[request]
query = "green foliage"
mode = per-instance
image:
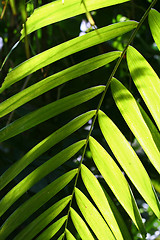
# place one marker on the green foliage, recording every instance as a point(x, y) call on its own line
point(89, 172)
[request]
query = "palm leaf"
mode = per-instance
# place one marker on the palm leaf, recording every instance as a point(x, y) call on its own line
point(154, 18)
point(87, 206)
point(146, 80)
point(43, 146)
point(65, 49)
point(56, 11)
point(116, 181)
point(105, 205)
point(132, 165)
point(51, 110)
point(35, 202)
point(80, 225)
point(132, 115)
point(92, 216)
point(43, 220)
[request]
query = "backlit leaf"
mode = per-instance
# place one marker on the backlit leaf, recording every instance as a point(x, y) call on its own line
point(116, 181)
point(132, 115)
point(65, 49)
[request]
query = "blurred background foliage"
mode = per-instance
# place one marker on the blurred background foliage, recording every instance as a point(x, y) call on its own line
point(13, 15)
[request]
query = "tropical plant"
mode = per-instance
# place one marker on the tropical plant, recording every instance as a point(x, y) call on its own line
point(88, 208)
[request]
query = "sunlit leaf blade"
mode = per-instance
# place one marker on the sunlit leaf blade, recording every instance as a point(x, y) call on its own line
point(116, 181)
point(93, 217)
point(154, 131)
point(69, 235)
point(81, 226)
point(38, 174)
point(154, 23)
point(56, 11)
point(146, 81)
point(32, 229)
point(55, 80)
point(43, 146)
point(119, 230)
point(51, 110)
point(65, 49)
point(61, 237)
point(129, 161)
point(52, 230)
point(118, 217)
point(133, 117)
point(34, 203)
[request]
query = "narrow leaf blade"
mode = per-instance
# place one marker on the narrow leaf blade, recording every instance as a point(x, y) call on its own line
point(146, 81)
point(129, 161)
point(69, 235)
point(116, 181)
point(38, 174)
point(55, 80)
point(65, 49)
point(43, 146)
point(52, 230)
point(80, 225)
point(154, 23)
point(51, 110)
point(56, 11)
point(34, 203)
point(92, 216)
point(118, 228)
point(32, 229)
point(133, 117)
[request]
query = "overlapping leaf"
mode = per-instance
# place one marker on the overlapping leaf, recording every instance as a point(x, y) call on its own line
point(129, 161)
point(55, 80)
point(93, 217)
point(146, 81)
point(32, 229)
point(34, 203)
point(51, 110)
point(132, 115)
point(52, 230)
point(116, 181)
point(38, 174)
point(57, 11)
point(104, 204)
point(80, 225)
point(43, 146)
point(65, 49)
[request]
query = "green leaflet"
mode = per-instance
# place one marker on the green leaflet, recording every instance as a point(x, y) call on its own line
point(43, 146)
point(51, 110)
point(80, 225)
point(129, 161)
point(119, 229)
point(38, 174)
point(154, 131)
point(32, 229)
point(52, 230)
point(34, 203)
point(61, 237)
point(65, 49)
point(92, 217)
point(69, 235)
point(55, 80)
point(133, 117)
point(116, 181)
point(56, 11)
point(154, 23)
point(146, 81)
